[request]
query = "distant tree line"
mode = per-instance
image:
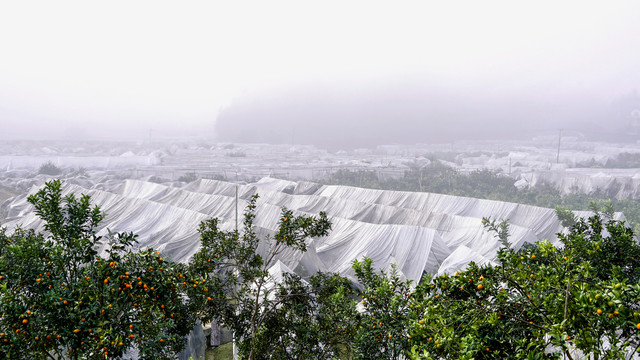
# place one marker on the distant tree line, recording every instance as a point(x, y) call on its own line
point(625, 160)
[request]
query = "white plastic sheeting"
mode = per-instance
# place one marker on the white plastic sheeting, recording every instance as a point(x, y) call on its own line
point(10, 162)
point(459, 257)
point(420, 232)
point(620, 183)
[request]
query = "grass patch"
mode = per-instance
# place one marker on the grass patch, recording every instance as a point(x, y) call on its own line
point(222, 352)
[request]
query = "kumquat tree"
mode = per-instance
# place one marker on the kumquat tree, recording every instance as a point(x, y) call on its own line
point(330, 317)
point(386, 308)
point(60, 300)
point(282, 316)
point(242, 294)
point(581, 301)
point(313, 320)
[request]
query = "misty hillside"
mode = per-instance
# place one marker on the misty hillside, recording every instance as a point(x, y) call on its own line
point(342, 117)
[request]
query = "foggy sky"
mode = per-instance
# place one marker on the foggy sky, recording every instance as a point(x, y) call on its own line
point(130, 69)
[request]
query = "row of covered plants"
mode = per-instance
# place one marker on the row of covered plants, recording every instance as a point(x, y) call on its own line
point(486, 184)
point(60, 300)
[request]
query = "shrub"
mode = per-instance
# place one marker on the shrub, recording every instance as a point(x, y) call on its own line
point(188, 177)
point(49, 168)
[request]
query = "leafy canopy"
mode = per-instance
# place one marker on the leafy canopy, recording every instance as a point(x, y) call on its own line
point(541, 302)
point(60, 299)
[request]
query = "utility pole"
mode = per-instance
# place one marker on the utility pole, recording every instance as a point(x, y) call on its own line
point(236, 201)
point(235, 348)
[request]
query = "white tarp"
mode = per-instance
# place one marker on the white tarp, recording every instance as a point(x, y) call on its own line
point(420, 232)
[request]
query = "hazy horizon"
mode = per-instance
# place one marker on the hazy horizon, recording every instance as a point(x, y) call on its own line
point(286, 70)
